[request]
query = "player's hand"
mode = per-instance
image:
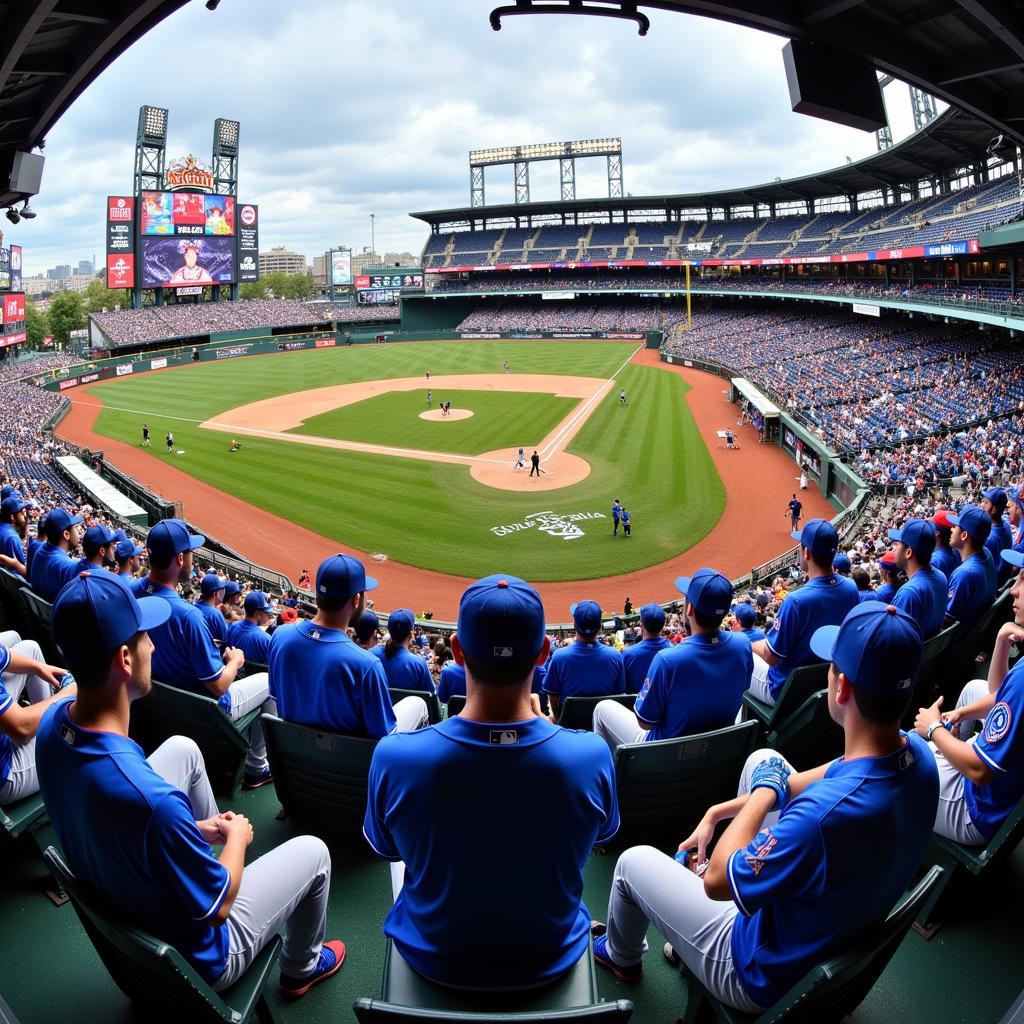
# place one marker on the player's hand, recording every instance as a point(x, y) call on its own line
point(210, 830)
point(772, 773)
point(701, 839)
point(232, 824)
point(953, 718)
point(234, 656)
point(50, 673)
point(926, 717)
point(1011, 633)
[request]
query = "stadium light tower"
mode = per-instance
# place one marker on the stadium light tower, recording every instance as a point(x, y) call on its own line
point(150, 149)
point(225, 157)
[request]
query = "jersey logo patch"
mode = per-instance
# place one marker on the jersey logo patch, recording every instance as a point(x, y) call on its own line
point(997, 725)
point(755, 860)
point(314, 634)
point(502, 652)
point(67, 734)
point(504, 737)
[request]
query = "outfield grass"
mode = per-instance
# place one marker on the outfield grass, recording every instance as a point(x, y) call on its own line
point(434, 515)
point(500, 420)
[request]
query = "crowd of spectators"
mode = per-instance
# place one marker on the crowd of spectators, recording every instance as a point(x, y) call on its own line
point(532, 315)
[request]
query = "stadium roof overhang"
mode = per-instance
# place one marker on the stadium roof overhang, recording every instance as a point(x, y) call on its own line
point(953, 139)
point(50, 51)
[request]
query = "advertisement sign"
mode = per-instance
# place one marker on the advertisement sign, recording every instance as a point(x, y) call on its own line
point(866, 309)
point(123, 369)
point(5, 269)
point(325, 342)
point(120, 242)
point(13, 339)
point(188, 172)
point(173, 262)
point(186, 213)
point(14, 308)
point(341, 267)
point(378, 297)
point(549, 296)
point(409, 280)
point(158, 364)
point(248, 243)
point(16, 279)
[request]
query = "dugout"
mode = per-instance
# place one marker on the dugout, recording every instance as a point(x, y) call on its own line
point(742, 388)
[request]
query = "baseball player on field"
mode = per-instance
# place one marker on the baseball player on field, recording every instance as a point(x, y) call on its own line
point(785, 886)
point(520, 462)
point(616, 516)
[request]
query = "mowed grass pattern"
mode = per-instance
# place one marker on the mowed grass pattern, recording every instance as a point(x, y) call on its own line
point(500, 419)
point(434, 515)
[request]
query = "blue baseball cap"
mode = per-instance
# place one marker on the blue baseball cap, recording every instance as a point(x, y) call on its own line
point(97, 609)
point(653, 617)
point(12, 505)
point(57, 521)
point(998, 498)
point(95, 538)
point(366, 626)
point(877, 647)
point(919, 536)
point(820, 538)
point(170, 537)
point(120, 535)
point(746, 615)
point(1014, 558)
point(400, 624)
point(708, 591)
point(841, 563)
point(502, 617)
point(586, 616)
point(210, 584)
point(127, 549)
point(257, 601)
point(1016, 495)
point(231, 588)
point(342, 577)
point(7, 490)
point(974, 521)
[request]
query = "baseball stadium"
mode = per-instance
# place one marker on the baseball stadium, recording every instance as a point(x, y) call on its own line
point(781, 424)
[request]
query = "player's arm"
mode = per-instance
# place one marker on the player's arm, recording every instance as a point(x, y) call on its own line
point(764, 652)
point(8, 562)
point(739, 835)
point(234, 659)
point(22, 723)
point(1009, 635)
point(960, 755)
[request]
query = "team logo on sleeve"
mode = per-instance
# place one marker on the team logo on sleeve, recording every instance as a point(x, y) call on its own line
point(756, 857)
point(997, 725)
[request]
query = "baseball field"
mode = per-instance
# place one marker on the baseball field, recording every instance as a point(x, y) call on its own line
point(342, 441)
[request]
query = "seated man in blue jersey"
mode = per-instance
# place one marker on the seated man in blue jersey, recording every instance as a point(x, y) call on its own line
point(584, 668)
point(469, 849)
point(693, 687)
point(139, 830)
point(403, 669)
point(972, 585)
point(945, 558)
point(320, 677)
point(23, 673)
point(889, 574)
point(98, 544)
point(249, 635)
point(982, 777)
point(923, 596)
point(211, 594)
point(1000, 537)
point(52, 564)
point(746, 617)
point(1016, 513)
point(13, 530)
point(823, 600)
point(452, 682)
point(841, 564)
point(637, 659)
point(186, 655)
point(128, 555)
point(792, 881)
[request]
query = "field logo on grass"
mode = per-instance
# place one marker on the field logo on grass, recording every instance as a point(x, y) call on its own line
point(554, 524)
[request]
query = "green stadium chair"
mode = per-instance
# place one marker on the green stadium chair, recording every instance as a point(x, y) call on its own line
point(928, 679)
point(161, 984)
point(168, 711)
point(960, 664)
point(320, 776)
point(407, 996)
point(433, 704)
point(456, 702)
point(12, 607)
point(23, 816)
point(955, 858)
point(833, 989)
point(578, 712)
point(809, 737)
point(665, 786)
point(39, 614)
point(800, 684)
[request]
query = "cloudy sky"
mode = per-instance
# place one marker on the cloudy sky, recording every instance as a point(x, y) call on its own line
point(353, 107)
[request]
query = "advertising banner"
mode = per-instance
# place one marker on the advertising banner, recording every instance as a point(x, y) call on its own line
point(5, 269)
point(172, 262)
point(248, 243)
point(14, 308)
point(121, 270)
point(341, 268)
point(16, 278)
point(410, 280)
point(866, 309)
point(120, 242)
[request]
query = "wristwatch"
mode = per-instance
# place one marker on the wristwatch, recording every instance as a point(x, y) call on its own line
point(940, 724)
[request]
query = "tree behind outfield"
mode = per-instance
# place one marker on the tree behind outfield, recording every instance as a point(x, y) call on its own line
point(282, 286)
point(99, 297)
point(36, 324)
point(67, 314)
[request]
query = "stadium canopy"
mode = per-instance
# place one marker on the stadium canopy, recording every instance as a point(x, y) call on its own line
point(50, 52)
point(954, 139)
point(756, 398)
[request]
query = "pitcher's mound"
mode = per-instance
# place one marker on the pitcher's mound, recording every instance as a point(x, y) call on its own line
point(455, 414)
point(561, 470)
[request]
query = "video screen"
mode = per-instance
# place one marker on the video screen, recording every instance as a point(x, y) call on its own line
point(187, 213)
point(183, 261)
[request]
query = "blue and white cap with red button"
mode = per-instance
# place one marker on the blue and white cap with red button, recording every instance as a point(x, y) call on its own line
point(96, 609)
point(501, 618)
point(878, 648)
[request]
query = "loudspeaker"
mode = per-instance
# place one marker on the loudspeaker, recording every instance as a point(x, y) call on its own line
point(27, 173)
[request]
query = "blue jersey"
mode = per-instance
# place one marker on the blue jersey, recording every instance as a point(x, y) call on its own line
point(637, 660)
point(585, 670)
point(321, 678)
point(6, 703)
point(923, 598)
point(867, 595)
point(214, 620)
point(252, 641)
point(132, 837)
point(184, 653)
point(1001, 747)
point(696, 686)
point(972, 589)
point(466, 853)
point(405, 670)
point(52, 568)
point(886, 592)
point(999, 540)
point(822, 601)
point(833, 866)
point(10, 543)
point(452, 682)
point(753, 634)
point(945, 560)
